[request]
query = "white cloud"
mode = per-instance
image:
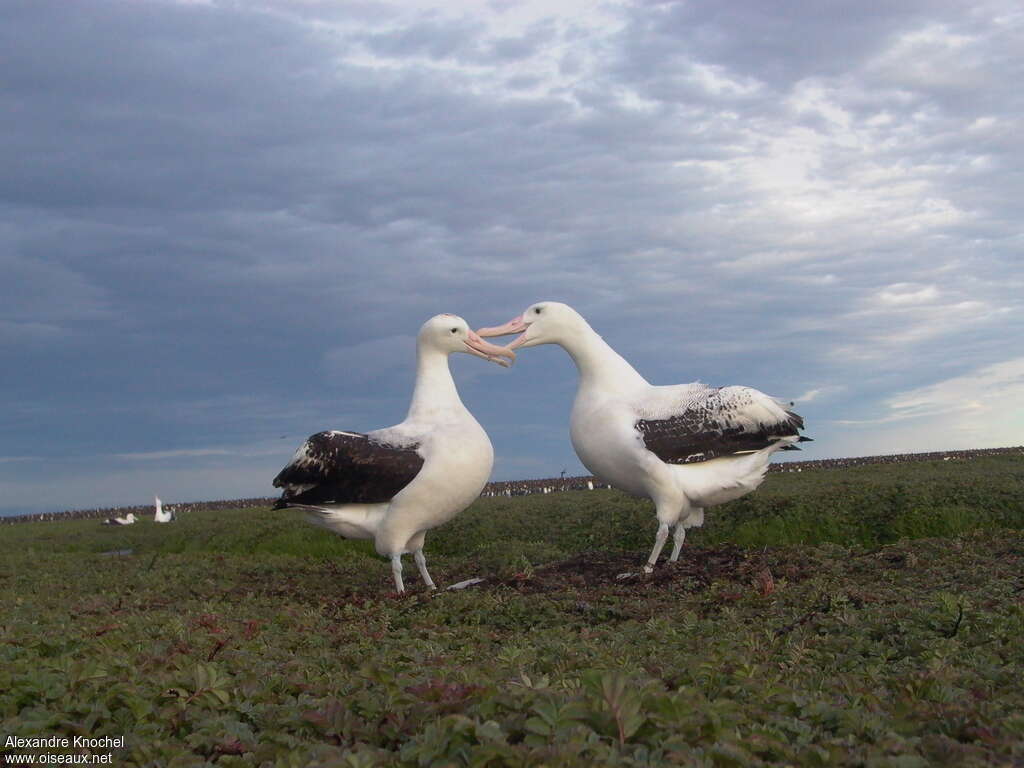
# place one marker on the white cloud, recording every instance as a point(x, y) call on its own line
point(185, 452)
point(995, 389)
point(982, 409)
point(894, 321)
point(929, 57)
point(900, 294)
point(806, 397)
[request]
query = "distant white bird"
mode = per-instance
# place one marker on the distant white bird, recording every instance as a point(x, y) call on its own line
point(393, 485)
point(128, 519)
point(160, 515)
point(685, 447)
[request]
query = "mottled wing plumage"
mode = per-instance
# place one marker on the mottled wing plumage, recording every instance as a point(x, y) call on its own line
point(708, 422)
point(347, 468)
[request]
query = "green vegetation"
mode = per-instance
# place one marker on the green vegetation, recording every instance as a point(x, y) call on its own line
point(869, 616)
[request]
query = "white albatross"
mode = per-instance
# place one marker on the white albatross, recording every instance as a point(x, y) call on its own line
point(128, 519)
point(160, 515)
point(686, 447)
point(393, 485)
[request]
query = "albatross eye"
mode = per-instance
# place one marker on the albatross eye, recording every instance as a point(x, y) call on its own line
point(536, 310)
point(455, 330)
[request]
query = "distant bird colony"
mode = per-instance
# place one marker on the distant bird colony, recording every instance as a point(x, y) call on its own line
point(161, 514)
point(553, 484)
point(686, 447)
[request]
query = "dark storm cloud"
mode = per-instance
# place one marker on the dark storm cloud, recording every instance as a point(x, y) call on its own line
point(226, 222)
point(775, 44)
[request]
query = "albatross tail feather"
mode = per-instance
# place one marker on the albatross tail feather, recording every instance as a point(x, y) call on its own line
point(353, 521)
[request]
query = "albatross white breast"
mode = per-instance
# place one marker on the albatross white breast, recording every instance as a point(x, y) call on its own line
point(392, 485)
point(686, 447)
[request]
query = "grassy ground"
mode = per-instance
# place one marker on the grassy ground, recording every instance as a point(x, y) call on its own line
point(867, 616)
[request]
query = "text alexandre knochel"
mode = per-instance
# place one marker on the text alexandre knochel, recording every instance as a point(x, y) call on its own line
point(64, 742)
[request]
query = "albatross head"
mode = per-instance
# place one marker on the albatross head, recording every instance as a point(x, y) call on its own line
point(546, 322)
point(450, 333)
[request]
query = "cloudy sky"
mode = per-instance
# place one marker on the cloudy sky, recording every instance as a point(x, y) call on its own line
point(222, 223)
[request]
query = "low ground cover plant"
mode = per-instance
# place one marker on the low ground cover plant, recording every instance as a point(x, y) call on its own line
point(862, 616)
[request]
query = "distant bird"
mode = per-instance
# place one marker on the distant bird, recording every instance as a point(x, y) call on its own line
point(128, 519)
point(392, 485)
point(686, 447)
point(160, 515)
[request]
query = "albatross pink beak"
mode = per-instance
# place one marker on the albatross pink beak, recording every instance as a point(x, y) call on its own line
point(477, 346)
point(515, 325)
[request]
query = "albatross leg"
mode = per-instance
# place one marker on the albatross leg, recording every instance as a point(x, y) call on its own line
point(678, 537)
point(396, 571)
point(659, 542)
point(421, 563)
point(694, 518)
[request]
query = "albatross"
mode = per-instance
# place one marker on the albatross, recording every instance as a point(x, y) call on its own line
point(393, 485)
point(686, 447)
point(160, 515)
point(128, 519)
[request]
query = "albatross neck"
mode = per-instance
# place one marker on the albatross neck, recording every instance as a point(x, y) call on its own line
point(434, 393)
point(599, 365)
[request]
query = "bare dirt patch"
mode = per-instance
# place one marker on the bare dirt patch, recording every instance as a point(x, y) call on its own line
point(696, 569)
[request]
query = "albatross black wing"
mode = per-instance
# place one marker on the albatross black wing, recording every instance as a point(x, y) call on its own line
point(346, 468)
point(712, 422)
